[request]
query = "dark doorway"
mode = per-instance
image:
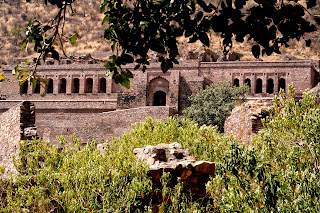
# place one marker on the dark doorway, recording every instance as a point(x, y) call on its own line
point(236, 82)
point(282, 84)
point(63, 85)
point(270, 86)
point(102, 85)
point(259, 86)
point(24, 88)
point(75, 85)
point(50, 86)
point(89, 84)
point(159, 98)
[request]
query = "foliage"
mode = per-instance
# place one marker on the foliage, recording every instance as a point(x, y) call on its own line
point(136, 27)
point(278, 172)
point(213, 105)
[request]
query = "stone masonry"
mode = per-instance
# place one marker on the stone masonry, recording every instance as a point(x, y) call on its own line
point(246, 119)
point(18, 123)
point(178, 162)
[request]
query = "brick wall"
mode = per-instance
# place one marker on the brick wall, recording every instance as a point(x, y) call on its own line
point(88, 125)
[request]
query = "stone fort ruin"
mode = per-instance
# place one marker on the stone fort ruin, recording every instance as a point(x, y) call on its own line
point(79, 98)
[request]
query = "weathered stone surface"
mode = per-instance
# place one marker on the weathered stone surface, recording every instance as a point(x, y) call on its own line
point(172, 158)
point(245, 119)
point(16, 124)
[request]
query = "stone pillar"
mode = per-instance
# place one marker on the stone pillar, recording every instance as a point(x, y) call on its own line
point(253, 83)
point(69, 84)
point(264, 83)
point(276, 83)
point(109, 85)
point(241, 80)
point(95, 86)
point(82, 81)
point(56, 82)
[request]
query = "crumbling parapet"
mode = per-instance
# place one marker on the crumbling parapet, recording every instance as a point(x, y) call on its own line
point(181, 166)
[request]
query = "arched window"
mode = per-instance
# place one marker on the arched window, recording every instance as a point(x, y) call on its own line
point(88, 85)
point(50, 86)
point(24, 88)
point(247, 82)
point(159, 98)
point(270, 86)
point(37, 88)
point(63, 85)
point(102, 85)
point(236, 82)
point(282, 84)
point(75, 85)
point(259, 86)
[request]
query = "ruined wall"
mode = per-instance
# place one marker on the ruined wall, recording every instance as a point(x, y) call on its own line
point(88, 125)
point(18, 123)
point(9, 137)
point(245, 119)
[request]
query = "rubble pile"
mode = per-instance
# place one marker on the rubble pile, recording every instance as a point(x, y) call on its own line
point(181, 166)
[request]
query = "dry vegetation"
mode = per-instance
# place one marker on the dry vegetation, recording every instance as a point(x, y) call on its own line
point(86, 23)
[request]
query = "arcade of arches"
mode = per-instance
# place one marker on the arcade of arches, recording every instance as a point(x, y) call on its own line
point(62, 86)
point(259, 85)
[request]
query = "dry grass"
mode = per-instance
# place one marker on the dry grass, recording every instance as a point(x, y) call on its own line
point(86, 23)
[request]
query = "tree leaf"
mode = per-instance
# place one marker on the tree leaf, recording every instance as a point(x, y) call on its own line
point(311, 3)
point(2, 78)
point(73, 39)
point(125, 83)
point(204, 38)
point(256, 51)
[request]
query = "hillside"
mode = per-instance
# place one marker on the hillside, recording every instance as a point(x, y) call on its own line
point(86, 23)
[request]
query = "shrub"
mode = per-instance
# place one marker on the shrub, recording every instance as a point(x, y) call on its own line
point(213, 105)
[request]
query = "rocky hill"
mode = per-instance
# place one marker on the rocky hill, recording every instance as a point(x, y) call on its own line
point(86, 23)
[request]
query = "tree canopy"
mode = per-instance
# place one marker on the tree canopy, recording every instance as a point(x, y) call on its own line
point(138, 26)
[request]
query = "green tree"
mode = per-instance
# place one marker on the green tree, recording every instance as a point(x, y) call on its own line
point(213, 105)
point(136, 27)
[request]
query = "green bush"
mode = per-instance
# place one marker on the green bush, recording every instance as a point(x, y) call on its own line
point(213, 105)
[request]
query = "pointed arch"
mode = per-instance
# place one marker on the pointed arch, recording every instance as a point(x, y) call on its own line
point(247, 82)
point(49, 89)
point(236, 82)
point(270, 86)
point(282, 84)
point(63, 85)
point(102, 85)
point(75, 86)
point(88, 85)
point(24, 88)
point(258, 85)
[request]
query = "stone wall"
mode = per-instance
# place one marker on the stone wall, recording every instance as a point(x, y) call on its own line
point(18, 123)
point(88, 125)
point(245, 119)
